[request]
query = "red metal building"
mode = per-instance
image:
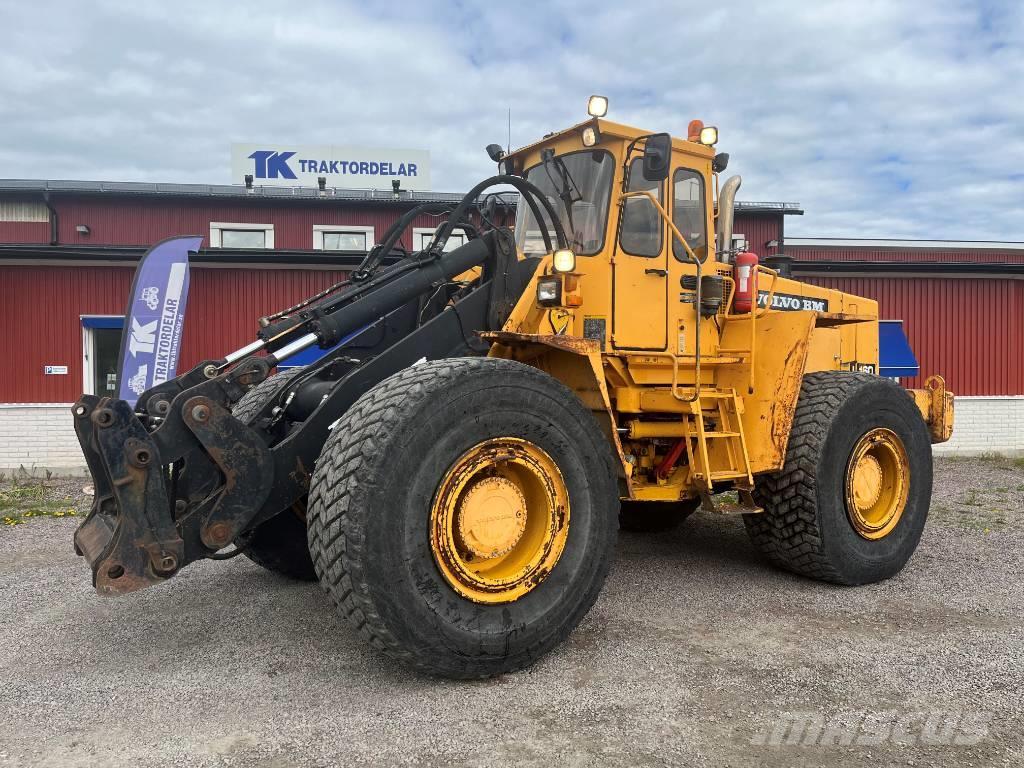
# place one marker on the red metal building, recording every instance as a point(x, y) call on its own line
point(68, 250)
point(962, 304)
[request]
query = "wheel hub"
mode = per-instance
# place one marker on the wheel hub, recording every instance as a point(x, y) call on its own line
point(499, 520)
point(877, 484)
point(492, 517)
point(867, 482)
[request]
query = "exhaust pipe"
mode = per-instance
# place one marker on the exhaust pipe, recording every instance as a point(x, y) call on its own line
point(726, 213)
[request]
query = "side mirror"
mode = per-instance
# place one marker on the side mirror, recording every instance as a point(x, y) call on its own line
point(657, 157)
point(720, 163)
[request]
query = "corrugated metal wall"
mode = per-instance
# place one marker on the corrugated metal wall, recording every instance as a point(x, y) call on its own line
point(970, 330)
point(29, 232)
point(759, 229)
point(144, 221)
point(904, 254)
point(42, 307)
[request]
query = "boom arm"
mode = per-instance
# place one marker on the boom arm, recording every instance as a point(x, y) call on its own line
point(179, 478)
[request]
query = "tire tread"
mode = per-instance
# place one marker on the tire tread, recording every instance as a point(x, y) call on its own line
point(787, 532)
point(346, 473)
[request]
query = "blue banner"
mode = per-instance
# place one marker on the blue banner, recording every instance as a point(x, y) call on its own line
point(155, 317)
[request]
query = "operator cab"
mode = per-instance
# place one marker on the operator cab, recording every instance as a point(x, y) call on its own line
point(621, 195)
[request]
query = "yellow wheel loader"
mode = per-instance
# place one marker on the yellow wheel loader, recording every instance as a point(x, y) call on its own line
point(454, 471)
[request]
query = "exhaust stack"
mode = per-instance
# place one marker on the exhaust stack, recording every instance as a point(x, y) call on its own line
point(726, 214)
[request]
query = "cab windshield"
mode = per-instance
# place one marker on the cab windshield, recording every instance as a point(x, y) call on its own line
point(578, 185)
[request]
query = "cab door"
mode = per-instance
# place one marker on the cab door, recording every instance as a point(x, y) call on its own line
point(640, 281)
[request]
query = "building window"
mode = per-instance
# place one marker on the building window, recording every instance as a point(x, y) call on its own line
point(739, 242)
point(344, 237)
point(244, 236)
point(421, 237)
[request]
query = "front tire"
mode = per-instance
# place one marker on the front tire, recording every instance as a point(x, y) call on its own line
point(453, 445)
point(851, 501)
point(279, 544)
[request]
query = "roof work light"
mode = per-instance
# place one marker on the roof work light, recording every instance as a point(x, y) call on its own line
point(597, 106)
point(709, 135)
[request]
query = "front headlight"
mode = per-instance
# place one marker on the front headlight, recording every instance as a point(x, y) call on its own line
point(549, 290)
point(563, 260)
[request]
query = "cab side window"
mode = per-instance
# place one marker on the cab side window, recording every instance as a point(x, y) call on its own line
point(689, 214)
point(641, 224)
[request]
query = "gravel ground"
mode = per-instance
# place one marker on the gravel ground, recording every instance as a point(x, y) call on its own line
point(697, 653)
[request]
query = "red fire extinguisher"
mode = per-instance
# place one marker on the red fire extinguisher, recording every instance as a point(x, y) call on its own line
point(744, 272)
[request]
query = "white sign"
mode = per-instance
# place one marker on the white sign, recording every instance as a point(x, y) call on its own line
point(55, 370)
point(347, 167)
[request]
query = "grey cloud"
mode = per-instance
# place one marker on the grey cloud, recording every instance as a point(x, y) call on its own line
point(881, 118)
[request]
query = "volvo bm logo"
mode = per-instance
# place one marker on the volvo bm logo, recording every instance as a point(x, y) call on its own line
point(272, 165)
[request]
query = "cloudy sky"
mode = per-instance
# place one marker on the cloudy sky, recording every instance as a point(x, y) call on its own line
point(883, 118)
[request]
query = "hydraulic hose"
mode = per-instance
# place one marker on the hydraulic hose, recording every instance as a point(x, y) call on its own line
point(531, 193)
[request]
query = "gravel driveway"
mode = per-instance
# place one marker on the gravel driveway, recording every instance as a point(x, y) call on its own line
point(697, 653)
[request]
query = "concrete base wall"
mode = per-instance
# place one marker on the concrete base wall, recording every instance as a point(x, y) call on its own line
point(40, 437)
point(986, 425)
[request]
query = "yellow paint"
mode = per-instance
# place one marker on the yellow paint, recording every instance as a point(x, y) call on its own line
point(936, 405)
point(499, 520)
point(877, 484)
point(643, 378)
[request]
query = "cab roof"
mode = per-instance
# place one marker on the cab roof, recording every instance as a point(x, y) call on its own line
point(618, 130)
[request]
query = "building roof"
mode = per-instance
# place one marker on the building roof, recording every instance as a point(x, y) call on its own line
point(120, 188)
point(280, 194)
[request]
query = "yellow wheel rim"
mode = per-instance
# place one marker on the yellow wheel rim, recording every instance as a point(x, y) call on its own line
point(499, 520)
point(877, 484)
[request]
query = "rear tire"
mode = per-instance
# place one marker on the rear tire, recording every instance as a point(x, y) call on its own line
point(279, 544)
point(655, 516)
point(810, 524)
point(376, 490)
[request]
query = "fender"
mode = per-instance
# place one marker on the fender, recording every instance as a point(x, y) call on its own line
point(576, 362)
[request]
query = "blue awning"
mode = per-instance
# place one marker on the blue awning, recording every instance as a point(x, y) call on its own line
point(102, 322)
point(895, 357)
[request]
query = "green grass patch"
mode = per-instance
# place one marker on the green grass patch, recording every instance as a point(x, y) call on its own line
point(26, 498)
point(18, 495)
